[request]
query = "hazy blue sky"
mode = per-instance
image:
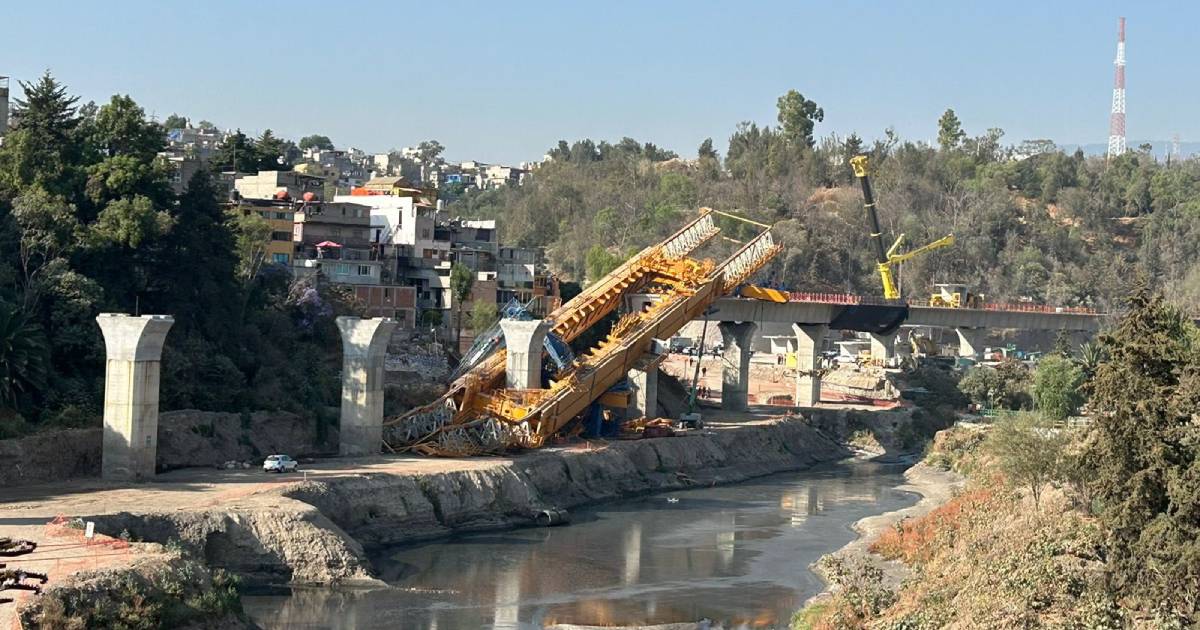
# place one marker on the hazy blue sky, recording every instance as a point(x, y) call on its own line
point(504, 81)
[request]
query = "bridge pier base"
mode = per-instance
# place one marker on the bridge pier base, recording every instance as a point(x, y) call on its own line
point(738, 338)
point(644, 383)
point(970, 341)
point(364, 345)
point(133, 348)
point(883, 348)
point(523, 340)
point(809, 339)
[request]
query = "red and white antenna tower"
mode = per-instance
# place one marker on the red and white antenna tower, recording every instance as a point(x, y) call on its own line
point(1116, 122)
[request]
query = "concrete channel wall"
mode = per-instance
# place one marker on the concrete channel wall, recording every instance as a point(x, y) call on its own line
point(315, 531)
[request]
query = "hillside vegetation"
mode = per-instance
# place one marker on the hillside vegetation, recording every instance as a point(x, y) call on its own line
point(1093, 527)
point(1052, 227)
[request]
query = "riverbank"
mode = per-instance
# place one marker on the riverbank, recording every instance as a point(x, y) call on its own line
point(312, 528)
point(935, 486)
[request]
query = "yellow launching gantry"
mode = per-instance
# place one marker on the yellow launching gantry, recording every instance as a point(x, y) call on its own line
point(885, 259)
point(479, 414)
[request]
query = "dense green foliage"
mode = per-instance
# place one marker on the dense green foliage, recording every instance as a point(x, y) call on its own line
point(1145, 455)
point(1004, 386)
point(1051, 227)
point(88, 224)
point(1057, 387)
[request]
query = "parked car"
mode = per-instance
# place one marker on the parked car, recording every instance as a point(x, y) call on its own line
point(279, 463)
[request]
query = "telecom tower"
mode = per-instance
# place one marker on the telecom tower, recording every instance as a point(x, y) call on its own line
point(1116, 122)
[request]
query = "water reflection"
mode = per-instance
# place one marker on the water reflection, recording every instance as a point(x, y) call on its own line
point(737, 555)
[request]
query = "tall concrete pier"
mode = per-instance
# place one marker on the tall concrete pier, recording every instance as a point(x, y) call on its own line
point(738, 338)
point(809, 340)
point(364, 345)
point(523, 341)
point(133, 348)
point(970, 341)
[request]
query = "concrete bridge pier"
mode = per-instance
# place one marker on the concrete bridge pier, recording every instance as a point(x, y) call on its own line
point(524, 340)
point(364, 345)
point(883, 348)
point(738, 338)
point(644, 383)
point(809, 340)
point(133, 348)
point(970, 341)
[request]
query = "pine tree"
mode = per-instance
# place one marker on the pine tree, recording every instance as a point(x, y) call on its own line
point(1145, 453)
point(950, 131)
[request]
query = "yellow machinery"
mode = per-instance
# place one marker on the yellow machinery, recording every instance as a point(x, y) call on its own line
point(765, 294)
point(478, 414)
point(955, 296)
point(886, 259)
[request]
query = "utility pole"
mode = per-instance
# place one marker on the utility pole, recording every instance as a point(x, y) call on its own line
point(1116, 120)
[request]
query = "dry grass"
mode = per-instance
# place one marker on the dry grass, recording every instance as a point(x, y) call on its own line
point(916, 541)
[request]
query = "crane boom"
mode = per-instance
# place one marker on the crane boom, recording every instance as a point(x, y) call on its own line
point(886, 258)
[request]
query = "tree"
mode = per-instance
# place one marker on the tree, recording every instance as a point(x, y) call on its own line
point(706, 151)
point(43, 149)
point(236, 153)
point(175, 121)
point(252, 236)
point(130, 223)
point(950, 131)
point(1089, 359)
point(1000, 387)
point(600, 262)
point(483, 315)
point(1027, 449)
point(1144, 454)
point(272, 152)
point(316, 141)
point(121, 128)
point(429, 151)
point(797, 118)
point(462, 280)
point(24, 355)
point(48, 231)
point(1056, 387)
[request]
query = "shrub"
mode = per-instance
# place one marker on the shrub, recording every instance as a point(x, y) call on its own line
point(1056, 388)
point(1028, 451)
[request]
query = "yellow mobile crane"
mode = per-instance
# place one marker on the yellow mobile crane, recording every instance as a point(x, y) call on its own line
point(885, 259)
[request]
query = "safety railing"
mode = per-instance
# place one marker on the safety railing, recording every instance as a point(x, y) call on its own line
point(852, 299)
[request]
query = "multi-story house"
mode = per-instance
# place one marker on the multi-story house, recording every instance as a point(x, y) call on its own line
point(280, 185)
point(521, 273)
point(280, 215)
point(336, 239)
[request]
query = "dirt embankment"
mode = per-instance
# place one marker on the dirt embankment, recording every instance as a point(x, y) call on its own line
point(50, 456)
point(314, 531)
point(185, 438)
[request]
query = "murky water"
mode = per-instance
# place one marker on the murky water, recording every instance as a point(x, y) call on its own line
point(735, 555)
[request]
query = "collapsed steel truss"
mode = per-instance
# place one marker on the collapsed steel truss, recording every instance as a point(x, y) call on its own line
point(479, 415)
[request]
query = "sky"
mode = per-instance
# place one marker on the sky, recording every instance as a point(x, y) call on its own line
point(503, 82)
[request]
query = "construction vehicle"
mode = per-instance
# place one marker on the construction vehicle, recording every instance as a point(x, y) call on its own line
point(954, 296)
point(887, 258)
point(923, 346)
point(479, 414)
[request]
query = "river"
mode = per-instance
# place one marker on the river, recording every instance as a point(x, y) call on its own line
point(736, 555)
